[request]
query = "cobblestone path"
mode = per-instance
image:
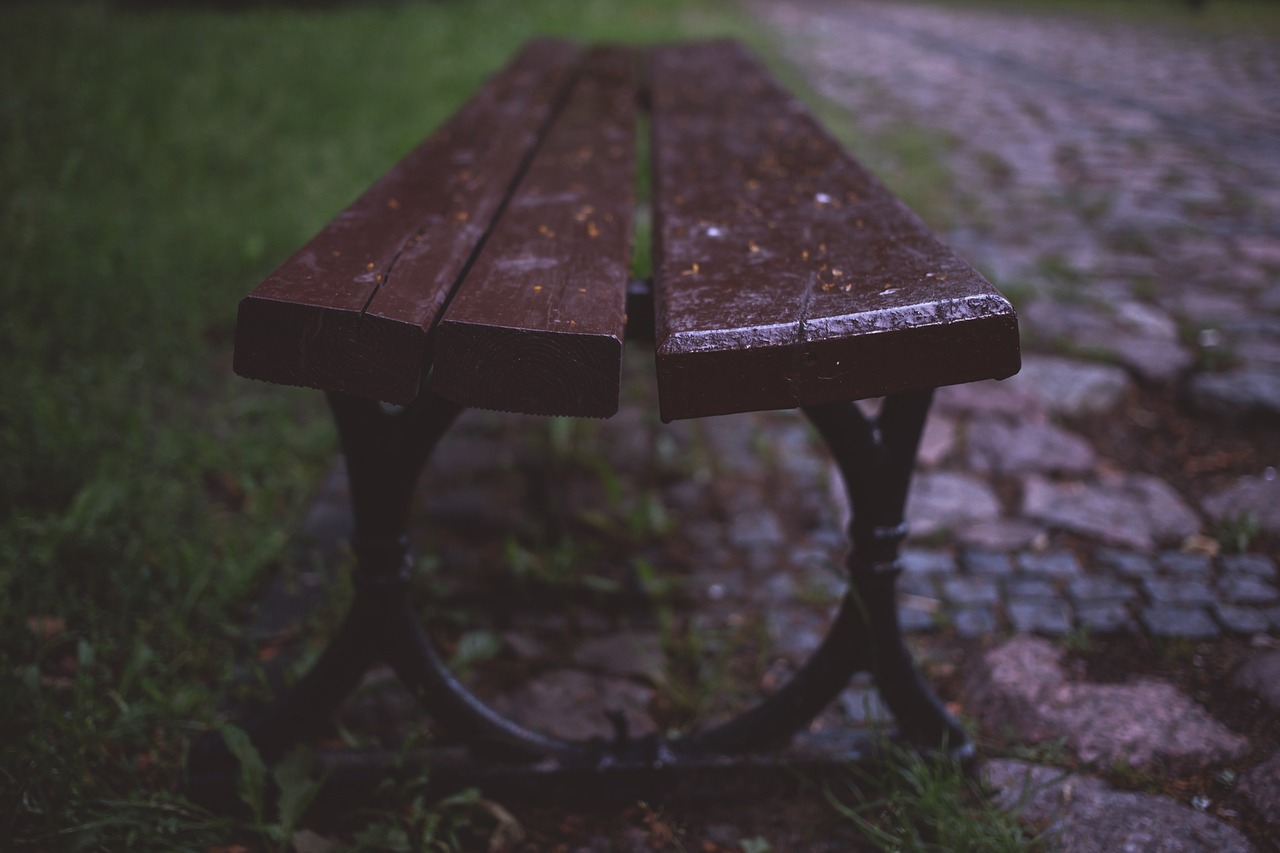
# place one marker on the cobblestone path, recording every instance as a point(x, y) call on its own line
point(1123, 184)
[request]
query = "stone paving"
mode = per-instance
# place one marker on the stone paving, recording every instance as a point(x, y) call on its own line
point(1125, 187)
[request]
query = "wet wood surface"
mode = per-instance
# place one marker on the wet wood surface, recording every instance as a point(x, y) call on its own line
point(538, 326)
point(353, 309)
point(496, 255)
point(785, 274)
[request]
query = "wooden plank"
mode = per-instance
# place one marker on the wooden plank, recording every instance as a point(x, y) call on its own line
point(785, 274)
point(353, 309)
point(537, 327)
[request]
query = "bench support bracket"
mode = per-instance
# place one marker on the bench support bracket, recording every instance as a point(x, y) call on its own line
point(386, 451)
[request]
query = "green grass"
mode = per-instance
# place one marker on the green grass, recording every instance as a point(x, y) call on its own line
point(153, 167)
point(925, 803)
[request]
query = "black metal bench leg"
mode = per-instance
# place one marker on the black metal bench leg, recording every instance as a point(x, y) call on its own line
point(877, 457)
point(385, 452)
point(487, 734)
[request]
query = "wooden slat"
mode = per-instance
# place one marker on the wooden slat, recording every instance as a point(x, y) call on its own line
point(785, 274)
point(351, 311)
point(537, 327)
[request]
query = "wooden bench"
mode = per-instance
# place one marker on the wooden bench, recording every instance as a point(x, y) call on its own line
point(490, 268)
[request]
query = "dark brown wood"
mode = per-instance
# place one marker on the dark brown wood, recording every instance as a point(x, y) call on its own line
point(785, 274)
point(352, 310)
point(538, 326)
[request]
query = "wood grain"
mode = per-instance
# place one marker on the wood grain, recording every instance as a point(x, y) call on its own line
point(352, 311)
point(785, 274)
point(538, 326)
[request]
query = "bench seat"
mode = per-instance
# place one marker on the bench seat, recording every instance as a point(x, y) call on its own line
point(495, 256)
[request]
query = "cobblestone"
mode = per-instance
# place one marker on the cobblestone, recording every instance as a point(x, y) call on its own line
point(1241, 620)
point(1054, 564)
point(918, 561)
point(1138, 511)
point(1083, 814)
point(1261, 675)
point(1237, 394)
point(1100, 589)
point(946, 500)
point(967, 590)
point(1258, 565)
point(1179, 563)
point(1162, 591)
point(916, 621)
point(1250, 500)
point(1104, 617)
point(919, 585)
point(1041, 616)
point(1124, 563)
point(1262, 786)
point(1013, 449)
point(1023, 588)
point(1246, 589)
point(1167, 620)
point(1002, 534)
point(974, 622)
point(1069, 387)
point(979, 562)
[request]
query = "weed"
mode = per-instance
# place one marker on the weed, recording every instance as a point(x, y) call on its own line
point(818, 591)
point(1175, 651)
point(474, 647)
point(1236, 533)
point(1216, 359)
point(1079, 640)
point(706, 669)
point(659, 589)
point(915, 801)
point(1127, 776)
point(663, 833)
point(562, 563)
point(1051, 752)
point(413, 820)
